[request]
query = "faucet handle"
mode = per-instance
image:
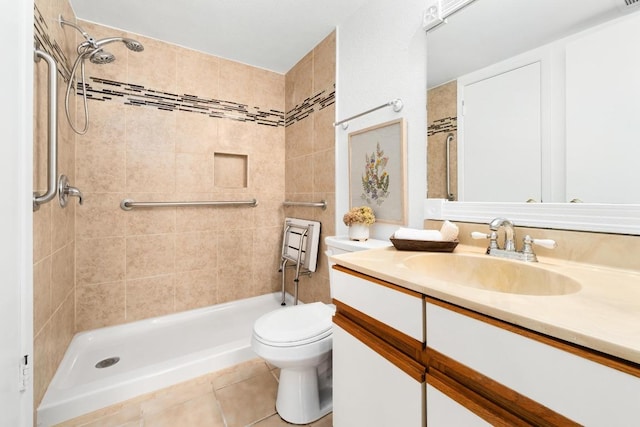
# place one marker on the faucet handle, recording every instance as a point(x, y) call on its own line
point(493, 236)
point(545, 243)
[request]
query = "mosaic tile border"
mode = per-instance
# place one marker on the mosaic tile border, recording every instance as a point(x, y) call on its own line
point(44, 41)
point(131, 94)
point(317, 102)
point(447, 124)
point(99, 89)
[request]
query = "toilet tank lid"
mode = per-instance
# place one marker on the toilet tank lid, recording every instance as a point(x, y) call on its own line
point(346, 244)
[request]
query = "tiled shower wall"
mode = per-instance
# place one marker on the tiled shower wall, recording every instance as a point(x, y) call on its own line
point(159, 121)
point(442, 118)
point(310, 153)
point(53, 227)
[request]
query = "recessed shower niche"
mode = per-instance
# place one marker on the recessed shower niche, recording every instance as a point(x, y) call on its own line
point(230, 170)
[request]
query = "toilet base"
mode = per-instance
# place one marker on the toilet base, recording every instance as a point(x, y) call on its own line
point(305, 395)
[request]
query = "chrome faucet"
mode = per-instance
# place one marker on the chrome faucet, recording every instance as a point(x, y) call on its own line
point(65, 190)
point(509, 251)
point(509, 232)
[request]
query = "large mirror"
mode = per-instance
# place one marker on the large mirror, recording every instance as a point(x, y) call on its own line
point(535, 101)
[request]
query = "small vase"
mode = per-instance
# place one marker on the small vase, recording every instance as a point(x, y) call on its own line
point(359, 232)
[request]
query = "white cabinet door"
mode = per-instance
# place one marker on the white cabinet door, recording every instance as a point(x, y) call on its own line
point(584, 391)
point(442, 411)
point(370, 391)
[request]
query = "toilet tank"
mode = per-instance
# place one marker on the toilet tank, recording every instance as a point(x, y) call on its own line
point(337, 245)
point(342, 244)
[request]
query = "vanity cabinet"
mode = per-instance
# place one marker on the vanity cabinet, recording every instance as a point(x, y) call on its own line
point(404, 358)
point(378, 336)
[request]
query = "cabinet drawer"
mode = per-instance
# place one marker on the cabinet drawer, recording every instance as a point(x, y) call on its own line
point(392, 305)
point(582, 390)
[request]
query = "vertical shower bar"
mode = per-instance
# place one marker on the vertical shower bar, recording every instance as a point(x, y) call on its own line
point(52, 127)
point(450, 195)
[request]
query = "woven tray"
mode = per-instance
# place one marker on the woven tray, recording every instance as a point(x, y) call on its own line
point(423, 245)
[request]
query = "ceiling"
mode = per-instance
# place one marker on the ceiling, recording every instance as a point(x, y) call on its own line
point(269, 34)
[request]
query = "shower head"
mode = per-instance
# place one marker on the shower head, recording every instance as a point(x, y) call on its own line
point(100, 56)
point(131, 44)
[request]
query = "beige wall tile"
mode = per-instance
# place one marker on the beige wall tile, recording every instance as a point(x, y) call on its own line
point(106, 119)
point(41, 294)
point(196, 251)
point(196, 133)
point(197, 218)
point(42, 232)
point(324, 171)
point(299, 138)
point(100, 167)
point(194, 173)
point(155, 67)
point(268, 90)
point(62, 223)
point(150, 255)
point(150, 297)
point(151, 221)
point(101, 216)
point(149, 171)
point(150, 129)
point(299, 175)
point(100, 305)
point(100, 260)
point(299, 82)
point(195, 289)
point(62, 274)
point(235, 82)
point(324, 63)
point(197, 74)
point(324, 133)
point(62, 328)
point(233, 136)
point(43, 368)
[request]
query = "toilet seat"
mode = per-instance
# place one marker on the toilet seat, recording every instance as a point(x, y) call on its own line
point(294, 326)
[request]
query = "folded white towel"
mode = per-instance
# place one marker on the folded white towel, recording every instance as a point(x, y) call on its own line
point(448, 233)
point(415, 234)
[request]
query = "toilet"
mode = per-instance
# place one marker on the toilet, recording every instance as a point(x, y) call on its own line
point(297, 339)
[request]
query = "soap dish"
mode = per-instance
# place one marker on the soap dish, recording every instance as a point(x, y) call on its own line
point(423, 245)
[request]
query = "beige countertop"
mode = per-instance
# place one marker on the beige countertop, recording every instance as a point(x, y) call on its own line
point(604, 314)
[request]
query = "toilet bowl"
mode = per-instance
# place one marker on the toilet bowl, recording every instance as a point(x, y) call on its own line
point(297, 340)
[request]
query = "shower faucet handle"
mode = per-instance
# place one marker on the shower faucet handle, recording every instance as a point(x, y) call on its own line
point(65, 190)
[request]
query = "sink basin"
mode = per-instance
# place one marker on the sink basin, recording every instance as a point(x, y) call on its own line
point(492, 274)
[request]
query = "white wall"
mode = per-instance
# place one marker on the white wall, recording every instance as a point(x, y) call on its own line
point(382, 55)
point(16, 84)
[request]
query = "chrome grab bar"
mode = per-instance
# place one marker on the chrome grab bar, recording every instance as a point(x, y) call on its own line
point(128, 204)
point(52, 172)
point(321, 204)
point(450, 195)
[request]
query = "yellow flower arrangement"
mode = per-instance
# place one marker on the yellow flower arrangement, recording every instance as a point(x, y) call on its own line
point(359, 215)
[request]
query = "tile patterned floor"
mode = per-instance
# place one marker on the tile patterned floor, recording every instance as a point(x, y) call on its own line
point(240, 396)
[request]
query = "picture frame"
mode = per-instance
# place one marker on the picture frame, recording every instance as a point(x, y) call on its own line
point(377, 170)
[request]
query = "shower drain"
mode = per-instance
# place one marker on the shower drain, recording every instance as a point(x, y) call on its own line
point(105, 363)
